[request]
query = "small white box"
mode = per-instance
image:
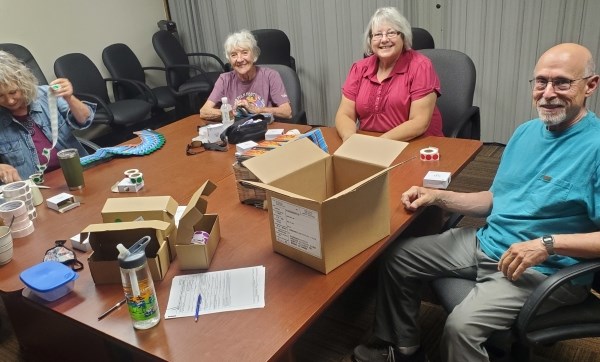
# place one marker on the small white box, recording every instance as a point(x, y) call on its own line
point(437, 179)
point(214, 132)
point(62, 202)
point(273, 133)
point(244, 146)
point(125, 185)
point(84, 245)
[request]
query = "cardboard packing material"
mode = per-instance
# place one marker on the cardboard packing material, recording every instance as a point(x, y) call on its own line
point(194, 218)
point(161, 208)
point(325, 208)
point(104, 238)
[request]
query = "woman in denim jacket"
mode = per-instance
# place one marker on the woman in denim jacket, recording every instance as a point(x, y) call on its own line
point(25, 127)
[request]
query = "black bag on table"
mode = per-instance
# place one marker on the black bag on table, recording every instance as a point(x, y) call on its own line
point(251, 128)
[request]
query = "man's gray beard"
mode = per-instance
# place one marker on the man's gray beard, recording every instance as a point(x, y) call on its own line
point(552, 120)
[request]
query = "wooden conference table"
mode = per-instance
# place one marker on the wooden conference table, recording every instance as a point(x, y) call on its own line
point(295, 295)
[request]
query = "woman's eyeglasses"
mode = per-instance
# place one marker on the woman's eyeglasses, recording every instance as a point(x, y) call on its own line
point(390, 35)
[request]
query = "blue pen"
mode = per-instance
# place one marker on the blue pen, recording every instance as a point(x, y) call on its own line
point(198, 307)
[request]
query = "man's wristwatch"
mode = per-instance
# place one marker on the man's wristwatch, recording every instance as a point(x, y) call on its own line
point(548, 242)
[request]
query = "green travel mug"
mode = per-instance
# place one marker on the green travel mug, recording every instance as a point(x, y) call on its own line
point(71, 167)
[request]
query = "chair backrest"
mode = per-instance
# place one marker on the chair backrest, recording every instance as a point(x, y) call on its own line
point(122, 63)
point(274, 47)
point(422, 39)
point(83, 74)
point(171, 52)
point(291, 82)
point(26, 57)
point(457, 78)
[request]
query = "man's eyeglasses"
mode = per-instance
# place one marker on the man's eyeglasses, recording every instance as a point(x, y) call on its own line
point(389, 35)
point(559, 84)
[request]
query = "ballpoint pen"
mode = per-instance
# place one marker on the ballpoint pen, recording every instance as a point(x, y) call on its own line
point(198, 302)
point(113, 308)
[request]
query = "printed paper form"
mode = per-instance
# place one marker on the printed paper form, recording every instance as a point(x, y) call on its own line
point(297, 227)
point(222, 291)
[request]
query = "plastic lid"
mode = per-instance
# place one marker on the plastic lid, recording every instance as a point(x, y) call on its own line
point(47, 276)
point(136, 256)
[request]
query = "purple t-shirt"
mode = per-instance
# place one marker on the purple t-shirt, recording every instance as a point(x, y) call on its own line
point(40, 141)
point(381, 106)
point(265, 90)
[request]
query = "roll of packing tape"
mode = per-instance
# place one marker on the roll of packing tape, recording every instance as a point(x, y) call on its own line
point(19, 233)
point(430, 154)
point(136, 178)
point(12, 208)
point(130, 172)
point(15, 189)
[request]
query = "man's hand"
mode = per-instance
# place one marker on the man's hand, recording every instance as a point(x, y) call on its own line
point(417, 197)
point(521, 256)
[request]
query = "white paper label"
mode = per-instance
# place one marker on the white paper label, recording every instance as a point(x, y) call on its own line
point(297, 227)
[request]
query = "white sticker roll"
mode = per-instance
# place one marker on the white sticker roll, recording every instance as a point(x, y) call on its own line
point(12, 208)
point(15, 189)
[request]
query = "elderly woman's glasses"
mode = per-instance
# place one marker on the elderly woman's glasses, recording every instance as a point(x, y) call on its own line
point(390, 35)
point(559, 84)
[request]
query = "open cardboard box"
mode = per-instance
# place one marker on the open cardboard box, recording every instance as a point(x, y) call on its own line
point(325, 208)
point(194, 218)
point(103, 262)
point(161, 208)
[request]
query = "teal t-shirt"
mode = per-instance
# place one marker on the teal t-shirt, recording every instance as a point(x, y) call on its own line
point(547, 183)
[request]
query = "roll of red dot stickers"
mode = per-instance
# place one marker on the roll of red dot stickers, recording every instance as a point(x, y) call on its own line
point(429, 154)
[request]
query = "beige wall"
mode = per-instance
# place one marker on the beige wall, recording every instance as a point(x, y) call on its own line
point(50, 29)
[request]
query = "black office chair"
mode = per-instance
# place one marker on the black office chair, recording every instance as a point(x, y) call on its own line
point(457, 77)
point(26, 57)
point(422, 39)
point(183, 78)
point(291, 82)
point(122, 63)
point(530, 329)
point(88, 84)
point(274, 47)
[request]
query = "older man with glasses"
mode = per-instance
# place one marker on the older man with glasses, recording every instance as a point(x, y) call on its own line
point(543, 214)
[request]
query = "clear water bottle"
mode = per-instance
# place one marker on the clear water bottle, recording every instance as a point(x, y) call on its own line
point(226, 112)
point(138, 285)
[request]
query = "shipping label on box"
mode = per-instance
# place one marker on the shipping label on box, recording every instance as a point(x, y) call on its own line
point(338, 204)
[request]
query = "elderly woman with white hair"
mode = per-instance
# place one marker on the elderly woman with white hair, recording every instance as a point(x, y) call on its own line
point(254, 88)
point(26, 137)
point(393, 90)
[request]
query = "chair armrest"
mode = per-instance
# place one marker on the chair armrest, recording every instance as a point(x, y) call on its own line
point(87, 143)
point(293, 62)
point(210, 55)
point(547, 287)
point(154, 68)
point(99, 103)
point(452, 221)
point(185, 66)
point(137, 85)
point(471, 118)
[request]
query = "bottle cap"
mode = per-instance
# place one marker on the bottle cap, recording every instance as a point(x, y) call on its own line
point(135, 256)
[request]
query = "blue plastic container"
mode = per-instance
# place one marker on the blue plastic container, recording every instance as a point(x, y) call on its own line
point(49, 280)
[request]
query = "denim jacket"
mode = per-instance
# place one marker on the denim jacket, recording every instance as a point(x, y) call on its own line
point(16, 146)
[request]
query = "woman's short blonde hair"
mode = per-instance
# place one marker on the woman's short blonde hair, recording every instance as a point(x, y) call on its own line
point(242, 40)
point(392, 17)
point(13, 73)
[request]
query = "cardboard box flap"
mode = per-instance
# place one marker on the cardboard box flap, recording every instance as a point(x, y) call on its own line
point(159, 229)
point(143, 203)
point(363, 182)
point(372, 150)
point(197, 202)
point(274, 189)
point(282, 161)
